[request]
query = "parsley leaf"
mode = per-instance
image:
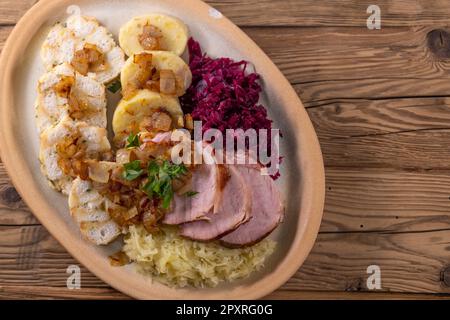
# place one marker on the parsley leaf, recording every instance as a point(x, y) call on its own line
point(132, 170)
point(153, 168)
point(133, 141)
point(191, 193)
point(160, 176)
point(115, 86)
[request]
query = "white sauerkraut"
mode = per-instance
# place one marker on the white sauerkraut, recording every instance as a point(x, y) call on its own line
point(176, 261)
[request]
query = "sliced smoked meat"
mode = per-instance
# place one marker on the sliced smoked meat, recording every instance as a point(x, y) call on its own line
point(205, 182)
point(267, 210)
point(233, 209)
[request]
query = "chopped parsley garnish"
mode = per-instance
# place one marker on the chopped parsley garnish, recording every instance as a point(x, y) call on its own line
point(132, 170)
point(160, 176)
point(133, 141)
point(115, 86)
point(191, 193)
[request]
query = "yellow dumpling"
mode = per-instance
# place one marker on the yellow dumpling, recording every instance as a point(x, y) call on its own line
point(160, 60)
point(170, 33)
point(130, 113)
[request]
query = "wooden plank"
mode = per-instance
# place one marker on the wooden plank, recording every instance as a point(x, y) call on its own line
point(416, 150)
point(41, 292)
point(12, 11)
point(325, 92)
point(301, 13)
point(4, 33)
point(331, 13)
point(349, 295)
point(409, 262)
point(13, 211)
point(47, 292)
point(410, 133)
point(385, 200)
point(412, 262)
point(341, 73)
point(29, 254)
point(315, 54)
point(352, 118)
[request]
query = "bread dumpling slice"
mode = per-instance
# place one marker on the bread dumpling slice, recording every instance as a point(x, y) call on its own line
point(130, 115)
point(84, 43)
point(154, 32)
point(158, 71)
point(63, 92)
point(65, 147)
point(89, 209)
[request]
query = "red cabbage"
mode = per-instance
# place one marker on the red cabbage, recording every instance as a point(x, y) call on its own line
point(222, 95)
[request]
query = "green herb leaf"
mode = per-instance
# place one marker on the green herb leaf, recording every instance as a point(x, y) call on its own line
point(115, 86)
point(160, 176)
point(168, 195)
point(153, 168)
point(132, 170)
point(133, 141)
point(191, 193)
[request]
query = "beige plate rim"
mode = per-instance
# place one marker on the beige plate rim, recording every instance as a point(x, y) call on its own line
point(309, 159)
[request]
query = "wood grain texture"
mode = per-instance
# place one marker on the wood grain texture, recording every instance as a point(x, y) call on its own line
point(304, 13)
point(341, 53)
point(11, 11)
point(403, 133)
point(374, 200)
point(13, 211)
point(310, 13)
point(379, 101)
point(411, 262)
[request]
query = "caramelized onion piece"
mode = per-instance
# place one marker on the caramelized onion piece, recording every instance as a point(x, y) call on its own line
point(144, 62)
point(125, 155)
point(167, 82)
point(150, 38)
point(90, 58)
point(64, 86)
point(80, 169)
point(121, 214)
point(141, 77)
point(150, 219)
point(188, 121)
point(119, 259)
point(99, 171)
point(157, 121)
point(152, 85)
point(77, 107)
point(71, 151)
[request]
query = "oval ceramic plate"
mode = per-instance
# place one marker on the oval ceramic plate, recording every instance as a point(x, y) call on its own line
point(302, 181)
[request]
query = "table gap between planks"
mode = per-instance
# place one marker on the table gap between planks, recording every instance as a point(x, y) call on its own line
point(379, 101)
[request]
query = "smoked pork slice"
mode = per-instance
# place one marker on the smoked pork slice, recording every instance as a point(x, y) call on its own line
point(267, 210)
point(233, 209)
point(205, 181)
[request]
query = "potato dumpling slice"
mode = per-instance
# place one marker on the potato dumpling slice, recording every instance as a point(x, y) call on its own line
point(162, 62)
point(131, 113)
point(153, 32)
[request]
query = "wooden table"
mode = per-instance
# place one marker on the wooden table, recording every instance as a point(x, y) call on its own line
point(379, 101)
